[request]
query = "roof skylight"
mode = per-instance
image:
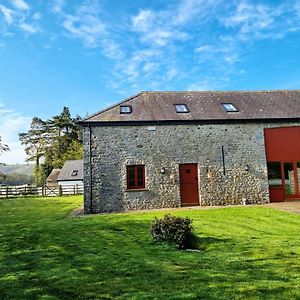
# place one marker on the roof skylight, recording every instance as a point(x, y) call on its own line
point(125, 109)
point(181, 108)
point(229, 107)
point(74, 173)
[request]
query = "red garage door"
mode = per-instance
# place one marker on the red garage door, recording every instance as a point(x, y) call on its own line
point(283, 159)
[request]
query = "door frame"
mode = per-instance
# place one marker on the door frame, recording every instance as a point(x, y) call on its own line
point(296, 185)
point(287, 197)
point(198, 185)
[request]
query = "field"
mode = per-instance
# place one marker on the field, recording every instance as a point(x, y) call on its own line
point(247, 253)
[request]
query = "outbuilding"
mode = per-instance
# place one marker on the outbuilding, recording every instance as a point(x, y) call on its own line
point(52, 178)
point(171, 149)
point(71, 174)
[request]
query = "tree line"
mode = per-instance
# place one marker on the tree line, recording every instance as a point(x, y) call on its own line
point(49, 143)
point(15, 179)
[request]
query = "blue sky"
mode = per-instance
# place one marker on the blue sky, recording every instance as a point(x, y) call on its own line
point(90, 54)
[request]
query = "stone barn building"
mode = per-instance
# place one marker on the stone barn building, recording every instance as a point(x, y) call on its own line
point(172, 149)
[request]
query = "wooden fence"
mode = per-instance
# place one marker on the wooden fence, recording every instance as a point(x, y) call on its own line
point(45, 191)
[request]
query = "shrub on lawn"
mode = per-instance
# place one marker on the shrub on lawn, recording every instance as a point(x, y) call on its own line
point(175, 230)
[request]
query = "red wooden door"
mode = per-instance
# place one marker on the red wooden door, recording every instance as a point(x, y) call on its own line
point(189, 191)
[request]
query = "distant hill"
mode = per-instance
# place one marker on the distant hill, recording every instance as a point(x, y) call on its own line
point(25, 169)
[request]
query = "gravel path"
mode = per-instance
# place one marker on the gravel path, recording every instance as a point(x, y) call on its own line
point(291, 206)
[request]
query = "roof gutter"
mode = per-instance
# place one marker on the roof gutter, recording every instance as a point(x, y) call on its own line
point(182, 122)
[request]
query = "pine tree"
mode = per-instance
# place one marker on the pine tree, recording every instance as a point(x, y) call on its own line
point(36, 141)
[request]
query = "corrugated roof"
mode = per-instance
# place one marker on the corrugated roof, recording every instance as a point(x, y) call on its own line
point(159, 106)
point(68, 172)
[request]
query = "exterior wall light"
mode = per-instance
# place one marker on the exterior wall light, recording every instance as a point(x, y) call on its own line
point(247, 168)
point(162, 170)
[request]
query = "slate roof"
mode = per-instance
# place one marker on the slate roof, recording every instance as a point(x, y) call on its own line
point(205, 106)
point(69, 168)
point(53, 176)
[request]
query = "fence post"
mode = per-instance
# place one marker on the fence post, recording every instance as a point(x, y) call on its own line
point(60, 190)
point(7, 192)
point(25, 192)
point(74, 190)
point(77, 189)
point(43, 191)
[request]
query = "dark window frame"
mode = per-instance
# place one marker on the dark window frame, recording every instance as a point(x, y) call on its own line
point(230, 110)
point(135, 177)
point(125, 112)
point(179, 111)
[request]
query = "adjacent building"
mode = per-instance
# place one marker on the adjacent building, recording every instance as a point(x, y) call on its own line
point(71, 174)
point(52, 178)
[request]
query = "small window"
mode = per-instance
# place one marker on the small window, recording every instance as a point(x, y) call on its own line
point(229, 107)
point(74, 173)
point(181, 108)
point(135, 177)
point(125, 109)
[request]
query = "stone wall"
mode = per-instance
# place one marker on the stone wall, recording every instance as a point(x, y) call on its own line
point(114, 147)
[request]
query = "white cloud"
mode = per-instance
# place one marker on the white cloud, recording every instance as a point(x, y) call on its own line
point(29, 28)
point(111, 49)
point(297, 7)
point(85, 25)
point(162, 37)
point(231, 58)
point(19, 17)
point(58, 6)
point(156, 28)
point(143, 21)
point(183, 30)
point(162, 27)
point(140, 61)
point(7, 13)
point(189, 9)
point(12, 123)
point(20, 4)
point(149, 67)
point(258, 21)
point(37, 16)
point(251, 17)
point(204, 48)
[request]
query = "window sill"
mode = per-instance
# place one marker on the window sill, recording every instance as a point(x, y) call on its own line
point(136, 190)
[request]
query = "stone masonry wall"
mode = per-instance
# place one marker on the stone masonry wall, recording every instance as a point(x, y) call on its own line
point(114, 147)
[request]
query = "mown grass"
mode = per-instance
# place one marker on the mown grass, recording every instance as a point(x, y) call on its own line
point(249, 253)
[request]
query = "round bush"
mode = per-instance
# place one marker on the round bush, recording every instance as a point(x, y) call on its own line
point(175, 230)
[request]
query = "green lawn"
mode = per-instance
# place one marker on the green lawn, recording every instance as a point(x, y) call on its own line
point(250, 253)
